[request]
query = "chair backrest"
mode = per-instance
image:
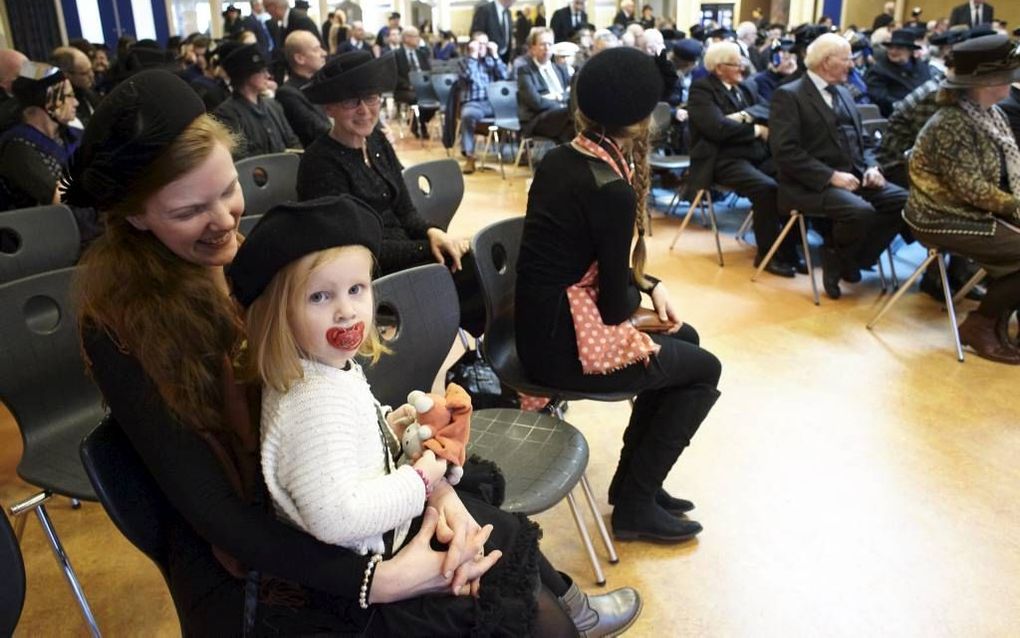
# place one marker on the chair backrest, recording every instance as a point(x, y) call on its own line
point(37, 239)
point(267, 180)
point(422, 83)
point(436, 189)
point(418, 315)
point(247, 223)
point(875, 128)
point(496, 248)
point(442, 84)
point(127, 490)
point(503, 98)
point(12, 575)
point(869, 111)
point(42, 376)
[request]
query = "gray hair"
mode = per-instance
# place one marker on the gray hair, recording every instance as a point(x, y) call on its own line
point(825, 45)
point(718, 53)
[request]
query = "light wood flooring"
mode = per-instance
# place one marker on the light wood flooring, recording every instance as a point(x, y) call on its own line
point(851, 483)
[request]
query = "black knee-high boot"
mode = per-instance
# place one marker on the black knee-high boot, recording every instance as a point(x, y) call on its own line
point(673, 424)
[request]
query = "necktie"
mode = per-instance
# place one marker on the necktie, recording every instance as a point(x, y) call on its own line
point(836, 103)
point(412, 59)
point(736, 95)
point(577, 19)
point(506, 29)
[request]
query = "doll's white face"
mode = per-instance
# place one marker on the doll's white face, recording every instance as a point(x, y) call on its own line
point(336, 310)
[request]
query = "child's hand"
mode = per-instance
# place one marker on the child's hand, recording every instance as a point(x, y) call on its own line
point(434, 468)
point(399, 419)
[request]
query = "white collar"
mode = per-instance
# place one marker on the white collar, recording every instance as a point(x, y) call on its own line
point(817, 80)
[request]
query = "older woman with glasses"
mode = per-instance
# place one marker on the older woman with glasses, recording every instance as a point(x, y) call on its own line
point(356, 158)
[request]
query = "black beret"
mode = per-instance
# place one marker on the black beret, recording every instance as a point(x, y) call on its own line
point(618, 87)
point(688, 49)
point(128, 130)
point(351, 75)
point(290, 231)
point(243, 62)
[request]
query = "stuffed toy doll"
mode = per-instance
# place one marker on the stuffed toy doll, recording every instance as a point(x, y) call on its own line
point(443, 425)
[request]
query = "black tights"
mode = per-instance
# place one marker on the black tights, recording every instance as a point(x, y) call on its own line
point(1003, 296)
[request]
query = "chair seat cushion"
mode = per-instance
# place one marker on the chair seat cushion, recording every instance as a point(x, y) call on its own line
point(52, 461)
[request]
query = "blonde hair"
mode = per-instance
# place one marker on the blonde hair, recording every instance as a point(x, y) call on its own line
point(274, 356)
point(824, 46)
point(636, 136)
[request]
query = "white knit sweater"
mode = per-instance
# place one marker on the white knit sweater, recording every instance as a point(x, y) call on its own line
point(326, 466)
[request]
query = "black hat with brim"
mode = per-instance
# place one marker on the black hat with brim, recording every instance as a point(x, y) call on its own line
point(351, 75)
point(243, 62)
point(991, 60)
point(129, 129)
point(948, 38)
point(688, 49)
point(618, 87)
point(32, 86)
point(290, 231)
point(905, 38)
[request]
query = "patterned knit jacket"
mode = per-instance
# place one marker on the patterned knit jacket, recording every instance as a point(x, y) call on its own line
point(907, 120)
point(955, 173)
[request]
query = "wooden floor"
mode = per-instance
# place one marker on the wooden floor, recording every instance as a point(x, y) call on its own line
point(851, 483)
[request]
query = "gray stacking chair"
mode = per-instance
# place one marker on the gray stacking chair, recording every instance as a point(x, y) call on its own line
point(438, 199)
point(542, 458)
point(247, 223)
point(37, 239)
point(267, 180)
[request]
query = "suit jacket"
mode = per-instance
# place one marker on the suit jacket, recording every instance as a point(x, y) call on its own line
point(404, 68)
point(562, 23)
point(348, 45)
point(961, 15)
point(623, 19)
point(486, 18)
point(806, 144)
point(532, 91)
point(715, 136)
point(1011, 105)
point(308, 120)
point(261, 31)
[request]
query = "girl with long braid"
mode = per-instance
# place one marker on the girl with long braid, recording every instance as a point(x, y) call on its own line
point(579, 285)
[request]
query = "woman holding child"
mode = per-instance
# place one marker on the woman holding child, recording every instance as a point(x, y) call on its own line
point(165, 342)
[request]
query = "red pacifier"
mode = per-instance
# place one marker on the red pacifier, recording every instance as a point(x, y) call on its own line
point(346, 338)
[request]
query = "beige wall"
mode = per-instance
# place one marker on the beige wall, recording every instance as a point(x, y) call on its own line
point(863, 12)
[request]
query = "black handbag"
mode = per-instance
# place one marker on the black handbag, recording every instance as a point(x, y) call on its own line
point(476, 376)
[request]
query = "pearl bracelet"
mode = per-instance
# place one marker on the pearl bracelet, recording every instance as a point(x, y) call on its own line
point(367, 581)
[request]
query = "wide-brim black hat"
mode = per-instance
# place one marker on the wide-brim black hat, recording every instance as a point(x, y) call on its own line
point(905, 38)
point(618, 87)
point(991, 60)
point(243, 62)
point(33, 83)
point(948, 38)
point(350, 75)
point(129, 129)
point(290, 231)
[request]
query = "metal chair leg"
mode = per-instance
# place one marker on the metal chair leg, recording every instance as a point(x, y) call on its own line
point(881, 275)
point(947, 292)
point(687, 218)
point(600, 523)
point(967, 287)
point(745, 226)
point(775, 245)
point(892, 267)
point(807, 257)
point(932, 254)
point(715, 229)
point(499, 153)
point(582, 529)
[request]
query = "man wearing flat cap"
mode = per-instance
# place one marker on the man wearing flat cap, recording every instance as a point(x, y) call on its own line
point(896, 72)
point(258, 120)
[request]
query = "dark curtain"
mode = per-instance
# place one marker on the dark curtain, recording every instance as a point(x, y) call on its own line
point(34, 27)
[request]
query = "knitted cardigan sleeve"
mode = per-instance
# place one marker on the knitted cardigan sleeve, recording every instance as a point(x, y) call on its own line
point(325, 466)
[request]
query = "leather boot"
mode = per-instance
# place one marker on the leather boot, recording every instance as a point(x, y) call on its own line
point(603, 615)
point(469, 165)
point(980, 333)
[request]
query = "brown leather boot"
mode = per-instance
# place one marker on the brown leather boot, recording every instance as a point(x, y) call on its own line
point(980, 333)
point(469, 165)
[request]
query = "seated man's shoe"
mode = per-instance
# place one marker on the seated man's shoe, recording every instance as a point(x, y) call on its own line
point(602, 615)
point(649, 521)
point(831, 271)
point(982, 334)
point(776, 266)
point(850, 273)
point(931, 286)
point(469, 165)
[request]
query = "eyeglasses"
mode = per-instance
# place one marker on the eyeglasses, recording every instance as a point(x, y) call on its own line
point(733, 64)
point(368, 100)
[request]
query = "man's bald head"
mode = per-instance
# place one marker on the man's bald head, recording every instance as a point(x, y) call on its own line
point(10, 67)
point(75, 65)
point(304, 53)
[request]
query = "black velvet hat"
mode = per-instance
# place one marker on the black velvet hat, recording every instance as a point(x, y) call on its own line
point(618, 87)
point(129, 129)
point(290, 231)
point(351, 75)
point(903, 38)
point(33, 83)
point(990, 60)
point(948, 38)
point(243, 62)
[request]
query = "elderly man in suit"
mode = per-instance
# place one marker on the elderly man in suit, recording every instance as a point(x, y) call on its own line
point(566, 20)
point(730, 149)
point(494, 19)
point(972, 13)
point(411, 56)
point(827, 167)
point(543, 91)
point(305, 56)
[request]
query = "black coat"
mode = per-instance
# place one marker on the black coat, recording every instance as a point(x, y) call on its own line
point(308, 120)
point(486, 19)
point(806, 144)
point(562, 23)
point(532, 90)
point(889, 83)
point(715, 136)
point(262, 129)
point(1011, 105)
point(961, 15)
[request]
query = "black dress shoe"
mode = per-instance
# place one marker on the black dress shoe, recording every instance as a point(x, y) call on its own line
point(673, 505)
point(800, 266)
point(850, 273)
point(831, 271)
point(776, 267)
point(643, 522)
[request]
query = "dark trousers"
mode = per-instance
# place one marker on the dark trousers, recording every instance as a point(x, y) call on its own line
point(750, 181)
point(426, 114)
point(555, 124)
point(863, 221)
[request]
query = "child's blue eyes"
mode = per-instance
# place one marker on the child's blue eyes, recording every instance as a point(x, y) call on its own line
point(322, 296)
point(355, 289)
point(318, 297)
